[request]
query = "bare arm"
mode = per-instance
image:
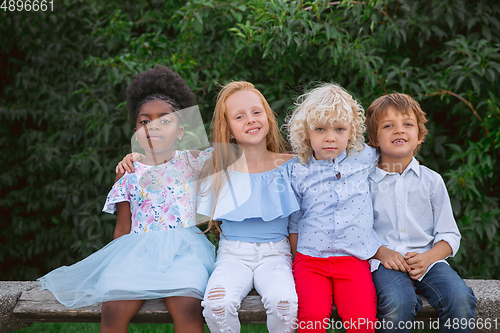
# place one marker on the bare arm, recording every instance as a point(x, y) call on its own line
point(123, 220)
point(419, 262)
point(293, 243)
point(124, 216)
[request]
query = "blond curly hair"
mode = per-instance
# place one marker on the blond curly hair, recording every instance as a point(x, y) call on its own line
point(326, 103)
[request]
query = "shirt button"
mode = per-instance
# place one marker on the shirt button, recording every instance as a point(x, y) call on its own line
point(399, 179)
point(338, 213)
point(400, 205)
point(336, 241)
point(403, 230)
point(338, 185)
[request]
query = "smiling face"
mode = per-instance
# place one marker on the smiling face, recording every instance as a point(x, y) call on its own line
point(247, 118)
point(158, 128)
point(397, 137)
point(329, 140)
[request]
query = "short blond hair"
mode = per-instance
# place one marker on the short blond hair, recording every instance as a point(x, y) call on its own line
point(326, 103)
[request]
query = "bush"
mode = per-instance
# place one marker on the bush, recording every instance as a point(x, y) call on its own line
point(66, 127)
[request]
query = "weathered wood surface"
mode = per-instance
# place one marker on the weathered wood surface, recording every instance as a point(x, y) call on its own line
point(40, 306)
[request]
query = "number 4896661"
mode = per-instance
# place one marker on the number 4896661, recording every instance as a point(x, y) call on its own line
point(27, 5)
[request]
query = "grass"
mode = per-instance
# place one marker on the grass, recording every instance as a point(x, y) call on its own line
point(133, 328)
point(141, 328)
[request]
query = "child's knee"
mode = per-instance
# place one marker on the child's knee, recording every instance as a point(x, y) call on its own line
point(112, 314)
point(462, 303)
point(217, 303)
point(108, 317)
point(190, 310)
point(398, 307)
point(285, 306)
point(215, 296)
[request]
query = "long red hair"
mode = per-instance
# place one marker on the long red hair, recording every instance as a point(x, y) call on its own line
point(226, 151)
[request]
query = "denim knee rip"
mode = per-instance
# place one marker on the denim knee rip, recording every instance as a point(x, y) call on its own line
point(284, 306)
point(218, 311)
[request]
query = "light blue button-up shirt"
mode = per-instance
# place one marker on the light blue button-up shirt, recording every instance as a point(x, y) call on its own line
point(412, 210)
point(336, 216)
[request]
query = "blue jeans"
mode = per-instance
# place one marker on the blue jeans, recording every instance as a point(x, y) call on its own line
point(398, 300)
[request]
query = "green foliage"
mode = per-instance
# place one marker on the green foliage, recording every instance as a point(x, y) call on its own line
point(65, 126)
point(133, 328)
point(94, 328)
point(146, 328)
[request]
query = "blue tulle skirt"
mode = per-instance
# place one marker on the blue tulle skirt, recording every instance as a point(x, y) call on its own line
point(176, 262)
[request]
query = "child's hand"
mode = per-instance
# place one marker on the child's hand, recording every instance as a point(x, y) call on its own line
point(418, 263)
point(392, 259)
point(127, 163)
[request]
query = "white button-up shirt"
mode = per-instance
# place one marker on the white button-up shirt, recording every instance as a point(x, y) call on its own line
point(412, 211)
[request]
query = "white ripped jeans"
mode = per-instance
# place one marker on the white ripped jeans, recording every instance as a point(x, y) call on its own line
point(240, 266)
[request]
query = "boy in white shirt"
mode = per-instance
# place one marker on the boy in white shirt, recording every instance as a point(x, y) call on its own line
point(414, 220)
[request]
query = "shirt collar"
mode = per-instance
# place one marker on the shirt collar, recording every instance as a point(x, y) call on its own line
point(337, 161)
point(378, 174)
point(413, 166)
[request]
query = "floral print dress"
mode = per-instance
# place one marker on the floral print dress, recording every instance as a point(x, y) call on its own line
point(164, 255)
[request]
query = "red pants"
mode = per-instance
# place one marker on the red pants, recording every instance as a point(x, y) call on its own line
point(347, 281)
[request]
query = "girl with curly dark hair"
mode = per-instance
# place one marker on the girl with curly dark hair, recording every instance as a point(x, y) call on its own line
point(157, 251)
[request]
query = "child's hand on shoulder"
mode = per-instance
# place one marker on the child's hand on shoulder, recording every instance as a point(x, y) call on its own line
point(418, 263)
point(392, 259)
point(127, 164)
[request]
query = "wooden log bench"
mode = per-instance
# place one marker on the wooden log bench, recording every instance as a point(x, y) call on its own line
point(35, 305)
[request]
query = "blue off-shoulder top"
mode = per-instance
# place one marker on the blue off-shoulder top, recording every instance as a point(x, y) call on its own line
point(253, 207)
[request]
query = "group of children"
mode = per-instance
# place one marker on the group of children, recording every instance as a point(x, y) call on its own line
point(364, 227)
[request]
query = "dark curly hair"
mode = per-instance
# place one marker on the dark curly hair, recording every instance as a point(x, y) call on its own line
point(153, 84)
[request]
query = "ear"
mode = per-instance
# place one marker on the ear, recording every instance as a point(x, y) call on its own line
point(420, 137)
point(180, 133)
